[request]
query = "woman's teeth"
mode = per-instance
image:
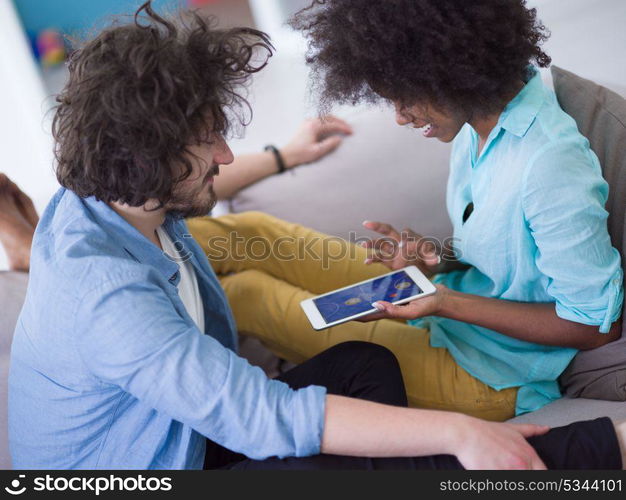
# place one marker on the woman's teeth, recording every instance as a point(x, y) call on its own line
point(426, 128)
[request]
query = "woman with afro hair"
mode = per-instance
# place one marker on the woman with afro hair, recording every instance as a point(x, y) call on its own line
point(532, 278)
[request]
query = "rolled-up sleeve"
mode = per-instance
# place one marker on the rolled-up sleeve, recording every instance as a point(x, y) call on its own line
point(563, 200)
point(130, 335)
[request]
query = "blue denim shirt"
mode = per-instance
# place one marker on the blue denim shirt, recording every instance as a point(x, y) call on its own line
point(538, 233)
point(109, 371)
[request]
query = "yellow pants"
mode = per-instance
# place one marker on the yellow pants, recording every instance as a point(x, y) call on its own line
point(267, 266)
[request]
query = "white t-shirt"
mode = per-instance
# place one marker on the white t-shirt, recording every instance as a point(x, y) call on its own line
point(188, 285)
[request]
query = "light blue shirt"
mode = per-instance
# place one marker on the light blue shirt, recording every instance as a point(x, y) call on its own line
point(109, 371)
point(538, 233)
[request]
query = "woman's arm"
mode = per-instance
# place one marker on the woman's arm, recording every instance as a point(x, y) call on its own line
point(313, 140)
point(532, 322)
point(362, 428)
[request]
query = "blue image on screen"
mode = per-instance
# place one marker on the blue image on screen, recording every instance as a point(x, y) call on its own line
point(358, 299)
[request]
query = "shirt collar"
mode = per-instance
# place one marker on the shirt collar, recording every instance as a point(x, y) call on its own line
point(520, 112)
point(135, 243)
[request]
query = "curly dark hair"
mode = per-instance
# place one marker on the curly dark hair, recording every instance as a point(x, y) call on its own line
point(140, 93)
point(454, 54)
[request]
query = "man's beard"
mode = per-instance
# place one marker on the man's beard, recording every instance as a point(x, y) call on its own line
point(186, 205)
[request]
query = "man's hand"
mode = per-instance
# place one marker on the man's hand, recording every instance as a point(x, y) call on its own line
point(314, 139)
point(493, 445)
point(400, 249)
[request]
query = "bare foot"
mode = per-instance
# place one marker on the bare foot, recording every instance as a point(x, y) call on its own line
point(18, 219)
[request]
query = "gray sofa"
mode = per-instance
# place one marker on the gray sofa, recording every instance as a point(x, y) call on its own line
point(12, 291)
point(347, 187)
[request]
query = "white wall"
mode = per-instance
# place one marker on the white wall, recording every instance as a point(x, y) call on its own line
point(25, 147)
point(588, 37)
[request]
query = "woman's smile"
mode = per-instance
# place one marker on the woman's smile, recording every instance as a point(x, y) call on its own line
point(428, 130)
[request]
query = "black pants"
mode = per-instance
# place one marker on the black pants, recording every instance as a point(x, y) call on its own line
point(369, 371)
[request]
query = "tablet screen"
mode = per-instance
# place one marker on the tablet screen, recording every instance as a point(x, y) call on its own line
point(359, 298)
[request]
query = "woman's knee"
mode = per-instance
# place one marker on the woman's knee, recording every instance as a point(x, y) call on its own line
point(254, 222)
point(247, 285)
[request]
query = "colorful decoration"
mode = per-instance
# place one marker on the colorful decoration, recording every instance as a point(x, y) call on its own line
point(50, 48)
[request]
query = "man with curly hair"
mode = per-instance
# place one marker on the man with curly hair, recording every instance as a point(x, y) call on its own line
point(125, 351)
point(536, 277)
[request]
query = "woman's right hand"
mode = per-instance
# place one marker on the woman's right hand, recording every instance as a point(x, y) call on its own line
point(400, 249)
point(493, 445)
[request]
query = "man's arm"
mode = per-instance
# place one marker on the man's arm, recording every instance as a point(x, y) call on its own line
point(128, 334)
point(313, 140)
point(361, 428)
point(242, 172)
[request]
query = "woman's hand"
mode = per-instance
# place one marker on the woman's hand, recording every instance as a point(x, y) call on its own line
point(400, 249)
point(426, 306)
point(479, 444)
point(314, 139)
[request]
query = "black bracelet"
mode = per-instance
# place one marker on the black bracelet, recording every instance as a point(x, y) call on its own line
point(279, 159)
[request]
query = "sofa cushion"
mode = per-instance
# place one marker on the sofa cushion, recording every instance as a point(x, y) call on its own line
point(601, 117)
point(567, 410)
point(382, 172)
point(12, 292)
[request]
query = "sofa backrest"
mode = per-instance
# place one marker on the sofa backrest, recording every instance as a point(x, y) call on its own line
point(601, 117)
point(382, 172)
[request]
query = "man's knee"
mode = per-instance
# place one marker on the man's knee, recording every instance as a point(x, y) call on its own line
point(367, 352)
point(376, 374)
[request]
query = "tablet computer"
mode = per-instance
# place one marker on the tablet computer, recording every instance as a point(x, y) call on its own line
point(354, 301)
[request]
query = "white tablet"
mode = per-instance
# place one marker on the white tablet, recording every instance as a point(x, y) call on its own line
point(354, 301)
